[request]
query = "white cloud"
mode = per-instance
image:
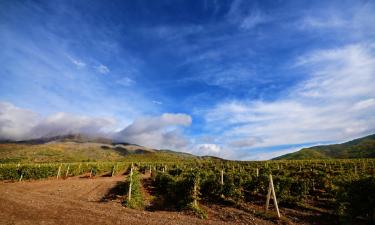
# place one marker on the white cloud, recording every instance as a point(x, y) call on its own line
point(150, 124)
point(16, 123)
point(244, 142)
point(335, 103)
point(157, 132)
point(21, 124)
point(207, 149)
point(63, 123)
point(364, 104)
point(102, 69)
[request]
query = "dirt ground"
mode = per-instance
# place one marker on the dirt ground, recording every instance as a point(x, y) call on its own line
point(93, 201)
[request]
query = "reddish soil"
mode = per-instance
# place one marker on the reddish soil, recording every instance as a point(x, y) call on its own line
point(95, 201)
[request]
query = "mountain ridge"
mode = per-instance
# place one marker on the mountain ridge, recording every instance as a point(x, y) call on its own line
point(363, 147)
point(79, 147)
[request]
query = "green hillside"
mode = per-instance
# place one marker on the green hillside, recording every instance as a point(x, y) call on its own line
point(78, 148)
point(358, 148)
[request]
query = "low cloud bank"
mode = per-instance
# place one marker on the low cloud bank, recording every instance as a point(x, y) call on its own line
point(157, 132)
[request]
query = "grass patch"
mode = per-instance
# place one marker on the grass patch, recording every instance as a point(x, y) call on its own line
point(199, 212)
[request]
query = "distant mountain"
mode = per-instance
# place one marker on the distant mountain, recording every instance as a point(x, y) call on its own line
point(78, 148)
point(358, 148)
point(79, 138)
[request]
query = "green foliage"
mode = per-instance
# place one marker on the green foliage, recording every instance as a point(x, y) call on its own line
point(357, 198)
point(176, 191)
point(210, 187)
point(180, 190)
point(14, 172)
point(199, 212)
point(9, 172)
point(257, 185)
point(232, 187)
point(136, 201)
point(184, 183)
point(41, 171)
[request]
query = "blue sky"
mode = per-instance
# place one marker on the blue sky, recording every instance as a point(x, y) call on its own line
point(243, 80)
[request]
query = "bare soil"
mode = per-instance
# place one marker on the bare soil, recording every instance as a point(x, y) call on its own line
point(82, 200)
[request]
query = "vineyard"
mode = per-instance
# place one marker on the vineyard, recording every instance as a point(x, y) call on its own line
point(345, 187)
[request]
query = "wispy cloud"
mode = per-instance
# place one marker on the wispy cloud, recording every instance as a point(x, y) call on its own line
point(246, 17)
point(344, 21)
point(41, 59)
point(244, 142)
point(254, 19)
point(330, 22)
point(334, 104)
point(254, 75)
point(77, 62)
point(157, 102)
point(102, 69)
point(125, 81)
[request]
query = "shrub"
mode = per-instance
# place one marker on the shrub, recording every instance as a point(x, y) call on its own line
point(136, 201)
point(357, 198)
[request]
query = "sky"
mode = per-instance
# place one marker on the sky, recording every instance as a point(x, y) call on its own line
point(245, 80)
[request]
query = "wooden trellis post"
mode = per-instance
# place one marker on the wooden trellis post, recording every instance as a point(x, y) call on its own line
point(113, 170)
point(67, 171)
point(257, 170)
point(130, 184)
point(271, 189)
point(195, 194)
point(58, 172)
point(222, 177)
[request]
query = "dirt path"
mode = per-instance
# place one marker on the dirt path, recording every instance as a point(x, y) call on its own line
point(80, 201)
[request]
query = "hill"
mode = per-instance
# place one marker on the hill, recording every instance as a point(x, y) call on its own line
point(79, 148)
point(358, 148)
